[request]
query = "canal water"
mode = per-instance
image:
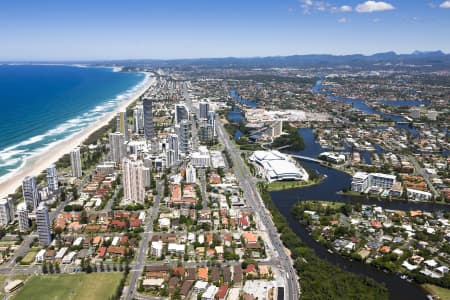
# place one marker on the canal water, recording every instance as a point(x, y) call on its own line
point(327, 191)
point(362, 106)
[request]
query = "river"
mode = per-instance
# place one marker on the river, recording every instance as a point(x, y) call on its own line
point(327, 191)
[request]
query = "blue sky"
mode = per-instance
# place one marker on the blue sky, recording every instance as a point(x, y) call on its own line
point(119, 29)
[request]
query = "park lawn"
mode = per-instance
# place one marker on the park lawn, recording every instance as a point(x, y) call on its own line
point(94, 286)
point(442, 293)
point(287, 185)
point(29, 258)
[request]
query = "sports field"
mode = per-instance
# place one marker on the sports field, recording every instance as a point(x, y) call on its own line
point(94, 286)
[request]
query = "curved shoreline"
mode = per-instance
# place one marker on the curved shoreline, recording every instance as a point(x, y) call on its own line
point(34, 165)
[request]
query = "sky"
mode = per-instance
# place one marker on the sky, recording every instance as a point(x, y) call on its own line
point(168, 29)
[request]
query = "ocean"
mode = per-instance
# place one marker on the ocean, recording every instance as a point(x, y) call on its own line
point(43, 104)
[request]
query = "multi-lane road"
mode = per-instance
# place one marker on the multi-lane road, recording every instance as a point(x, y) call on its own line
point(143, 247)
point(255, 203)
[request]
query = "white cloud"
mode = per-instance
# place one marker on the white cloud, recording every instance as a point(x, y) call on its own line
point(346, 8)
point(306, 6)
point(373, 6)
point(445, 4)
point(343, 20)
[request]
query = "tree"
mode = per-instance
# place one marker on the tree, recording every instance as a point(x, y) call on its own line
point(44, 268)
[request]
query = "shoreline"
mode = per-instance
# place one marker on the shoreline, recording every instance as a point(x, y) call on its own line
point(33, 166)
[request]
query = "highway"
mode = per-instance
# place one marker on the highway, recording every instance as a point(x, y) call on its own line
point(255, 203)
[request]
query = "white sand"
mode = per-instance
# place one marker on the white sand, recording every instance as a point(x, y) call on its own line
point(36, 164)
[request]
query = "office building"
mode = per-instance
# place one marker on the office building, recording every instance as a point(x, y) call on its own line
point(191, 174)
point(52, 178)
point(133, 180)
point(122, 124)
point(43, 225)
point(203, 108)
point(181, 113)
point(6, 211)
point(117, 146)
point(22, 216)
point(75, 162)
point(148, 118)
point(30, 192)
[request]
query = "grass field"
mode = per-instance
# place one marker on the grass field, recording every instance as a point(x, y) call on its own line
point(443, 294)
point(286, 185)
point(29, 258)
point(94, 286)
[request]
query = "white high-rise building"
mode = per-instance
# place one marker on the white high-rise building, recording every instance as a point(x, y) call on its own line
point(43, 225)
point(30, 192)
point(181, 113)
point(75, 162)
point(184, 134)
point(138, 118)
point(133, 180)
point(6, 211)
point(173, 142)
point(170, 158)
point(148, 118)
point(117, 146)
point(147, 177)
point(203, 108)
point(22, 216)
point(191, 174)
point(52, 178)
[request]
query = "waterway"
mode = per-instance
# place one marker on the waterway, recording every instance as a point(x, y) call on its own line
point(327, 191)
point(360, 104)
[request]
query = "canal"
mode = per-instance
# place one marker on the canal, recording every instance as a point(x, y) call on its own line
point(327, 191)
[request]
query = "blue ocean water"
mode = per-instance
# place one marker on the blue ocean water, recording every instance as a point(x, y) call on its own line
point(42, 104)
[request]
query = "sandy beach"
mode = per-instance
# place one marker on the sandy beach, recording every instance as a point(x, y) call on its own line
point(36, 164)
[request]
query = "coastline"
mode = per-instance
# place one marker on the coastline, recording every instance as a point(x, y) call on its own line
point(36, 164)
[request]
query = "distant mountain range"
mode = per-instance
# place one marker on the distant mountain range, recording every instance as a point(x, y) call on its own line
point(431, 59)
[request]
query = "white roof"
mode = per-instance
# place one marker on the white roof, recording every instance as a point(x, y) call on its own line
point(78, 241)
point(157, 245)
point(201, 285)
point(60, 254)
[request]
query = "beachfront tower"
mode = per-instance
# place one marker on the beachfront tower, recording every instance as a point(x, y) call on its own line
point(117, 146)
point(6, 211)
point(75, 162)
point(30, 192)
point(148, 118)
point(203, 108)
point(133, 180)
point(22, 216)
point(138, 118)
point(122, 124)
point(52, 178)
point(183, 130)
point(181, 113)
point(43, 225)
